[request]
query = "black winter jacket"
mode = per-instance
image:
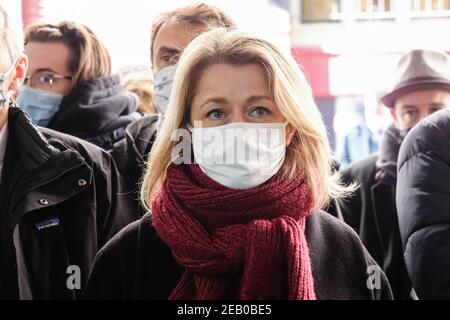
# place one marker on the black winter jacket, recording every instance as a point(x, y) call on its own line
point(97, 111)
point(372, 213)
point(137, 264)
point(423, 201)
point(61, 200)
point(131, 153)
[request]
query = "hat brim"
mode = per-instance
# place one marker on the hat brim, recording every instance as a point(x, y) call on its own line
point(389, 99)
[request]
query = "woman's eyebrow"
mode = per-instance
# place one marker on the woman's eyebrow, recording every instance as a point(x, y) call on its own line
point(214, 100)
point(254, 98)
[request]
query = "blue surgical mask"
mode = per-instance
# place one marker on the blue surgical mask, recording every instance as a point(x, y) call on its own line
point(40, 105)
point(163, 86)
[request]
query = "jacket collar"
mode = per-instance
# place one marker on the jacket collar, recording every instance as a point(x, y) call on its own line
point(45, 161)
point(95, 107)
point(32, 147)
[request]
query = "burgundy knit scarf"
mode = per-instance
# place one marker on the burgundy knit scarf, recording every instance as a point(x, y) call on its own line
point(235, 244)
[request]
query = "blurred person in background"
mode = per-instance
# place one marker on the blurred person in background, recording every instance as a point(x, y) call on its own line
point(359, 142)
point(171, 32)
point(140, 82)
point(69, 86)
point(372, 117)
point(378, 116)
point(61, 198)
point(240, 230)
point(421, 88)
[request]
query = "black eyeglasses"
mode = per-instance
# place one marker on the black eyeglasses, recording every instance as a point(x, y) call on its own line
point(44, 79)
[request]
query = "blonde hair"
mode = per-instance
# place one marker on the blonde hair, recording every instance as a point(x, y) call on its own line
point(201, 14)
point(89, 58)
point(308, 153)
point(142, 85)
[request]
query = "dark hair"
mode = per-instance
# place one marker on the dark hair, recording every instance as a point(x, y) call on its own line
point(89, 58)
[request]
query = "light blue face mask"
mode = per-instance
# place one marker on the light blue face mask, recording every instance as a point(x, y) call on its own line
point(163, 86)
point(40, 105)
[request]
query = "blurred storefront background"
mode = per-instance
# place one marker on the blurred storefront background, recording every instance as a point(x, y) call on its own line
point(350, 48)
point(124, 25)
point(347, 48)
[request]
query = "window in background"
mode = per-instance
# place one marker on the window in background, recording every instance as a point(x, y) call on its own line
point(368, 6)
point(373, 9)
point(427, 5)
point(320, 10)
point(430, 8)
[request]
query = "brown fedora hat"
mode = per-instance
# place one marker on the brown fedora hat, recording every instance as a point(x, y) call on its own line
point(420, 70)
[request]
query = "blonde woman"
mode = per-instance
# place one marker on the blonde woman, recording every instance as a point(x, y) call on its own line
point(171, 33)
point(232, 227)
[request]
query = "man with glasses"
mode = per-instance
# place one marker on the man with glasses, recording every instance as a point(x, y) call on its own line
point(61, 198)
point(45, 80)
point(69, 86)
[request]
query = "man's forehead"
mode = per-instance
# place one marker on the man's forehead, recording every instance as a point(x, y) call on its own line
point(177, 34)
point(48, 55)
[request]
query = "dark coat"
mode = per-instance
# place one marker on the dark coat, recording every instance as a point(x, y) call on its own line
point(136, 264)
point(423, 201)
point(372, 213)
point(61, 200)
point(97, 111)
point(131, 153)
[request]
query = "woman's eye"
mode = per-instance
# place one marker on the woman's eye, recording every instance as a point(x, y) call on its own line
point(259, 112)
point(215, 114)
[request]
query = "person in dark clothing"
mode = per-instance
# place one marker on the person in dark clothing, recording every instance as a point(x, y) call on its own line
point(97, 111)
point(131, 154)
point(61, 198)
point(125, 268)
point(423, 198)
point(171, 33)
point(371, 211)
point(63, 201)
point(70, 88)
point(245, 228)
